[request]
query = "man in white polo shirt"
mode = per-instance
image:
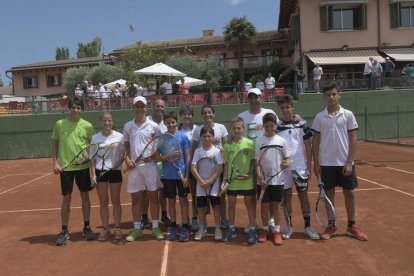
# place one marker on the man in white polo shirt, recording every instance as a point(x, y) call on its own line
point(334, 148)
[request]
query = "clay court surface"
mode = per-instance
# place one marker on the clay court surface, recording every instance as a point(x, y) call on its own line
point(30, 221)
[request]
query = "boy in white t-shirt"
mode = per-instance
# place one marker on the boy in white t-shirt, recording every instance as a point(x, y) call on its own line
point(333, 156)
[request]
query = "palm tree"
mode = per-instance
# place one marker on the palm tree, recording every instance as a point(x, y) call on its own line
point(238, 34)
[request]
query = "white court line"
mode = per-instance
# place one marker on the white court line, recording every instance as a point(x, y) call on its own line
point(28, 182)
point(165, 259)
point(388, 187)
point(13, 174)
point(386, 167)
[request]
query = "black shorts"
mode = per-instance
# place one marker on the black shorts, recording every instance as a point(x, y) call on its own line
point(241, 192)
point(202, 201)
point(273, 193)
point(82, 178)
point(171, 186)
point(114, 176)
point(332, 177)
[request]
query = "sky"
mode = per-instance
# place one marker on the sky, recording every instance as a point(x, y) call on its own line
point(32, 30)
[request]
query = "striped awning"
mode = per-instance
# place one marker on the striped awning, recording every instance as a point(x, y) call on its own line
point(344, 57)
point(400, 54)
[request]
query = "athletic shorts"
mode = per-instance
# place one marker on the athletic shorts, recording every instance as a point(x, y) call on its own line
point(82, 178)
point(299, 178)
point(332, 177)
point(241, 192)
point(171, 186)
point(114, 176)
point(202, 201)
point(273, 193)
point(143, 178)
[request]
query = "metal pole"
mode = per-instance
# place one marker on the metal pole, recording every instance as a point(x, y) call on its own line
point(366, 122)
point(398, 124)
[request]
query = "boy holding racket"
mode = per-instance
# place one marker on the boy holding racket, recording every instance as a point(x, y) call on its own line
point(273, 194)
point(69, 136)
point(172, 181)
point(245, 187)
point(297, 135)
point(333, 155)
point(142, 175)
point(207, 166)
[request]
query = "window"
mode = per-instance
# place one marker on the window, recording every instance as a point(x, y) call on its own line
point(402, 14)
point(30, 82)
point(339, 17)
point(54, 80)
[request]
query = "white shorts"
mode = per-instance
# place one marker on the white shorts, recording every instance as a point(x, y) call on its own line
point(301, 177)
point(143, 178)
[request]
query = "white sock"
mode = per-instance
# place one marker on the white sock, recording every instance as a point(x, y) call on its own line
point(232, 226)
point(154, 223)
point(137, 225)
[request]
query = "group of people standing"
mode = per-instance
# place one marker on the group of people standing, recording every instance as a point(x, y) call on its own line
point(255, 128)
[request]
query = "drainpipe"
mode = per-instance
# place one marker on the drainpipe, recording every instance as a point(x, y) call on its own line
point(11, 80)
point(379, 25)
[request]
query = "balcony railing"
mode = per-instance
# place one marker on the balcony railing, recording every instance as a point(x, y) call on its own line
point(251, 61)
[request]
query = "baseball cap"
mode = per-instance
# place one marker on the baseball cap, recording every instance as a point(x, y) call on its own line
point(255, 91)
point(140, 99)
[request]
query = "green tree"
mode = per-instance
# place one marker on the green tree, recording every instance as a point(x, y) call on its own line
point(238, 34)
point(104, 73)
point(139, 57)
point(211, 69)
point(91, 49)
point(73, 77)
point(62, 53)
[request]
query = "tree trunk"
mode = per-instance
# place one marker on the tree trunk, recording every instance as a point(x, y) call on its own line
point(241, 66)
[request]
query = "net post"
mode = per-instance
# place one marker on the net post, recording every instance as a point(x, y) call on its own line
point(366, 122)
point(398, 124)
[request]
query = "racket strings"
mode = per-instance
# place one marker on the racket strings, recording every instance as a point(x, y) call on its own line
point(241, 163)
point(86, 154)
point(206, 168)
point(270, 162)
point(114, 155)
point(151, 148)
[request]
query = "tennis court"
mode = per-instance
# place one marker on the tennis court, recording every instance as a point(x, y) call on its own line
point(30, 221)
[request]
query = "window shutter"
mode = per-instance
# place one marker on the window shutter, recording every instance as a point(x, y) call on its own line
point(60, 79)
point(394, 15)
point(323, 13)
point(25, 83)
point(48, 81)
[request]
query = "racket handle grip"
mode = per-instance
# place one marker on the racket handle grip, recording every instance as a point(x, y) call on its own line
point(261, 195)
point(180, 174)
point(224, 189)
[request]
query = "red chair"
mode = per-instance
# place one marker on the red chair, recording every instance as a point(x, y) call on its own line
point(267, 95)
point(278, 92)
point(228, 98)
point(186, 99)
point(199, 99)
point(216, 98)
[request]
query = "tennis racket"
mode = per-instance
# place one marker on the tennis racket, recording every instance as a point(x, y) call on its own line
point(322, 217)
point(169, 145)
point(206, 167)
point(241, 167)
point(270, 164)
point(149, 150)
point(83, 156)
point(112, 156)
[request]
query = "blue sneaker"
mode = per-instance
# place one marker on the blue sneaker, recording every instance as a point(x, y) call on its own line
point(173, 234)
point(194, 225)
point(252, 236)
point(184, 235)
point(229, 234)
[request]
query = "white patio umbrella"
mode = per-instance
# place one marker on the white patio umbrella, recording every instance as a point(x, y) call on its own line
point(192, 81)
point(160, 69)
point(111, 85)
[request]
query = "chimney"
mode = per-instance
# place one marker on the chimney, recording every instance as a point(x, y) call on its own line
point(208, 33)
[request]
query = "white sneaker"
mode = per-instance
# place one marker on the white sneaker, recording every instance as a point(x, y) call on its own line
point(287, 233)
point(199, 234)
point(309, 232)
point(247, 229)
point(218, 235)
